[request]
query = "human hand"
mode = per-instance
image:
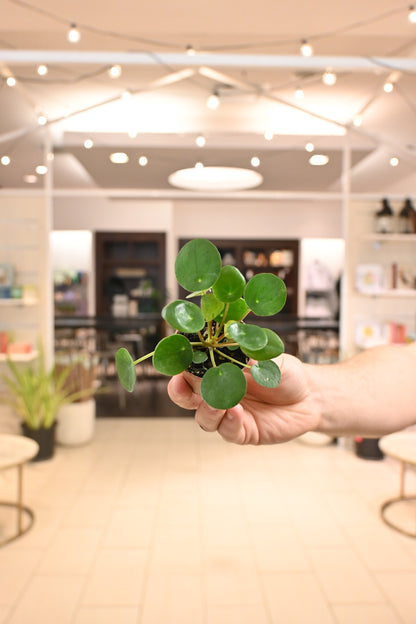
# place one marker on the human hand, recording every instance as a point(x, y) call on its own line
point(265, 415)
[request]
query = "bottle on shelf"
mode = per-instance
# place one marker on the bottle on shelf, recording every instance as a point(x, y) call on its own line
point(407, 218)
point(385, 218)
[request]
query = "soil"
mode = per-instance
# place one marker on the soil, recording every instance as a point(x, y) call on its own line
point(200, 369)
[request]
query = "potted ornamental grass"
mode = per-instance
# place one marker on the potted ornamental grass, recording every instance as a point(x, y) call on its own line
point(211, 338)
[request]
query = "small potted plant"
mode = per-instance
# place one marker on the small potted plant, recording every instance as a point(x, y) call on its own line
point(76, 419)
point(36, 394)
point(211, 340)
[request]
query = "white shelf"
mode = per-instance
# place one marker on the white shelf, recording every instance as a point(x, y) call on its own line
point(393, 293)
point(19, 357)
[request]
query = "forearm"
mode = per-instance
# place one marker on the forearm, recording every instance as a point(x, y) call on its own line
point(372, 394)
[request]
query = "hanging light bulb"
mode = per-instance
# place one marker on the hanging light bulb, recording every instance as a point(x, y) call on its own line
point(412, 14)
point(213, 101)
point(115, 71)
point(5, 160)
point(11, 81)
point(388, 87)
point(306, 48)
point(88, 143)
point(299, 94)
point(329, 78)
point(42, 70)
point(255, 161)
point(190, 50)
point(73, 34)
point(309, 147)
point(143, 160)
point(41, 169)
point(357, 121)
point(42, 121)
point(200, 141)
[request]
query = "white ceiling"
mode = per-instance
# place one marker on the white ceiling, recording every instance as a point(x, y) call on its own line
point(248, 52)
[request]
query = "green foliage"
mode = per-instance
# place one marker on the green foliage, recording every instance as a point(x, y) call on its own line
point(36, 392)
point(212, 340)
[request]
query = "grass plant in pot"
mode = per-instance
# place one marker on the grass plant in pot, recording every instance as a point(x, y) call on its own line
point(36, 393)
point(212, 339)
point(76, 420)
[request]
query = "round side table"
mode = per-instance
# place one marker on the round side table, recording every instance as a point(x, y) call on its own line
point(15, 451)
point(400, 446)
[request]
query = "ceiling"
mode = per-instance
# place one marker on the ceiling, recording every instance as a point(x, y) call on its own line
point(249, 57)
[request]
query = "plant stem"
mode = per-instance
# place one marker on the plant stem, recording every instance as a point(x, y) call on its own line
point(232, 359)
point(144, 357)
point(220, 325)
point(211, 355)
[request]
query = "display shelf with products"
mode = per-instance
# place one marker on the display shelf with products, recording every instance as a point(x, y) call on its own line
point(380, 298)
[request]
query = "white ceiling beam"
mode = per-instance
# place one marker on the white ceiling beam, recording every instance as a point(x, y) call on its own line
point(274, 61)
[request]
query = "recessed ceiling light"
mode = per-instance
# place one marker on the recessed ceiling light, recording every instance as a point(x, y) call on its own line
point(329, 78)
point(41, 169)
point(318, 160)
point(200, 141)
point(309, 147)
point(42, 121)
point(30, 178)
point(268, 135)
point(5, 160)
point(119, 158)
point(143, 160)
point(115, 71)
point(357, 121)
point(88, 143)
point(299, 94)
point(394, 161)
point(255, 161)
point(42, 70)
point(199, 165)
point(11, 81)
point(215, 179)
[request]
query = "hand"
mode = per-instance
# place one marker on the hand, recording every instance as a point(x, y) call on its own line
point(265, 415)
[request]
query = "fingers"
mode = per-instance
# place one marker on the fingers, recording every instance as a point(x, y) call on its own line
point(181, 393)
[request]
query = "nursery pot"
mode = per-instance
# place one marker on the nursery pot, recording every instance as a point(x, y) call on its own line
point(368, 448)
point(76, 423)
point(45, 439)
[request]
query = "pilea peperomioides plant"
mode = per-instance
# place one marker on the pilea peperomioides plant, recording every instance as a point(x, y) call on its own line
point(211, 339)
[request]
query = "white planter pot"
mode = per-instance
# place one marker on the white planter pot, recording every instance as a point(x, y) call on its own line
point(76, 423)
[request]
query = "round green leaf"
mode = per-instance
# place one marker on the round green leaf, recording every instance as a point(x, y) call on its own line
point(198, 265)
point(266, 374)
point(211, 306)
point(249, 336)
point(172, 355)
point(125, 369)
point(199, 356)
point(236, 311)
point(184, 316)
point(273, 348)
point(265, 294)
point(230, 284)
point(223, 386)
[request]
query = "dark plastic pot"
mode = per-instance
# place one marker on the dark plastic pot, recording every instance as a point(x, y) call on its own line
point(368, 448)
point(45, 438)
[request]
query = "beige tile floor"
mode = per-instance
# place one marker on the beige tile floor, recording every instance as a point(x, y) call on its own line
point(157, 522)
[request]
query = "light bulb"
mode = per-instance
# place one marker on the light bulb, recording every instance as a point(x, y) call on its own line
point(30, 178)
point(318, 160)
point(115, 71)
point(200, 141)
point(412, 14)
point(42, 70)
point(132, 133)
point(388, 87)
point(306, 48)
point(190, 50)
point(357, 121)
point(88, 143)
point(309, 147)
point(41, 169)
point(394, 161)
point(73, 34)
point(199, 165)
point(255, 161)
point(143, 160)
point(42, 121)
point(268, 135)
point(5, 160)
point(11, 81)
point(119, 158)
point(213, 101)
point(299, 94)
point(329, 78)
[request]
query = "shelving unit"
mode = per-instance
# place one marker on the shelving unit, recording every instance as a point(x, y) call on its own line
point(380, 293)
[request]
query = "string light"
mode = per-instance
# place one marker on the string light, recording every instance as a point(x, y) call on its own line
point(115, 71)
point(305, 48)
point(73, 34)
point(213, 101)
point(412, 14)
point(329, 78)
point(11, 81)
point(5, 160)
point(200, 141)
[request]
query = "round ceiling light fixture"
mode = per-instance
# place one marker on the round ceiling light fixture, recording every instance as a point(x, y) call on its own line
point(119, 158)
point(318, 160)
point(215, 179)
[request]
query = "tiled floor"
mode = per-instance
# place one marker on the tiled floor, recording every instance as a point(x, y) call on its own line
point(157, 522)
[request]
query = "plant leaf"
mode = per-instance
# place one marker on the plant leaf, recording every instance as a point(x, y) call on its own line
point(184, 316)
point(249, 336)
point(211, 306)
point(198, 265)
point(266, 374)
point(199, 356)
point(125, 369)
point(272, 349)
point(223, 386)
point(265, 294)
point(236, 311)
point(230, 284)
point(172, 355)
